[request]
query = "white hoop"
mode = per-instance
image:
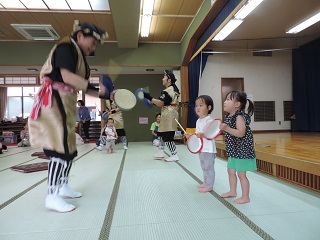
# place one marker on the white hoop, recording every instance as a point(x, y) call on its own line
point(212, 129)
point(194, 144)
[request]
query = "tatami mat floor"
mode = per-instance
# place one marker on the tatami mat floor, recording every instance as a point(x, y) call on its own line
point(130, 196)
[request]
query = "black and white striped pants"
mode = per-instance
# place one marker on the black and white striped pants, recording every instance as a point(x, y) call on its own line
point(58, 173)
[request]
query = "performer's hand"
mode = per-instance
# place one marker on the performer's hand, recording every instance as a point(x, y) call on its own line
point(103, 92)
point(147, 96)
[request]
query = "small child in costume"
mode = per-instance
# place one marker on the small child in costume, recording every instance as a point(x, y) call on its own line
point(111, 136)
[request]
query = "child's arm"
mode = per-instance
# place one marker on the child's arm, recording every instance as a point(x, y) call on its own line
point(115, 132)
point(199, 134)
point(239, 131)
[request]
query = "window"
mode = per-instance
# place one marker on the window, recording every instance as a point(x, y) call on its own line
point(20, 101)
point(264, 111)
point(93, 104)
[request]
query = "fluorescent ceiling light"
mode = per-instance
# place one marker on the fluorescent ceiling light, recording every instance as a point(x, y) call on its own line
point(100, 5)
point(247, 8)
point(12, 4)
point(147, 11)
point(57, 4)
point(305, 24)
point(34, 4)
point(79, 5)
point(237, 20)
point(43, 39)
point(227, 29)
point(147, 7)
point(145, 28)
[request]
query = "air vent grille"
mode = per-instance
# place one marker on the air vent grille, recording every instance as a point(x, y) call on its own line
point(36, 31)
point(264, 111)
point(262, 54)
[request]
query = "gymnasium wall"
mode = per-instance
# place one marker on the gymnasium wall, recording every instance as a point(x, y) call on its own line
point(265, 78)
point(140, 132)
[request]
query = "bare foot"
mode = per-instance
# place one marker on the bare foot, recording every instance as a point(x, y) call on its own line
point(205, 189)
point(109, 152)
point(242, 200)
point(201, 185)
point(228, 194)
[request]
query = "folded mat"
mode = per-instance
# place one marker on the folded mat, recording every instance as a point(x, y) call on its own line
point(37, 154)
point(33, 167)
point(43, 156)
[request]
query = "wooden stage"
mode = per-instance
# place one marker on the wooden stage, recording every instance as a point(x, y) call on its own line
point(291, 156)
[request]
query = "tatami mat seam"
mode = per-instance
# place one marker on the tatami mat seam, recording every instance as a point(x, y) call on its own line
point(107, 223)
point(7, 155)
point(234, 210)
point(11, 200)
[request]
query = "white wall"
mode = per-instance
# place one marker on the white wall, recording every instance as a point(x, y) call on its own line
point(266, 78)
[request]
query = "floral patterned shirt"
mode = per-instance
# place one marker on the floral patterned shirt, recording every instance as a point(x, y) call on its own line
point(239, 147)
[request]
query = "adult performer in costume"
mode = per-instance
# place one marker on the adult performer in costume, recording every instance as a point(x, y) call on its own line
point(169, 103)
point(52, 119)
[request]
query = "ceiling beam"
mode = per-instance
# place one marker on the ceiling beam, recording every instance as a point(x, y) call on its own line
point(126, 18)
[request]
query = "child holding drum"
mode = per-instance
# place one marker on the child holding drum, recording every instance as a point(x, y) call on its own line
point(239, 143)
point(207, 155)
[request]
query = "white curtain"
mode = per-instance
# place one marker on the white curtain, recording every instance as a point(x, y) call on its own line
point(3, 102)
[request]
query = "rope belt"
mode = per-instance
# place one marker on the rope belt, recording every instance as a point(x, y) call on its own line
point(44, 97)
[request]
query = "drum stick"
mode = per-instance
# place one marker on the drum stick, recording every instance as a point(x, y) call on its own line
point(180, 126)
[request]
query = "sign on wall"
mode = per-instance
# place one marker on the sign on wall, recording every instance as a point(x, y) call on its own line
point(143, 120)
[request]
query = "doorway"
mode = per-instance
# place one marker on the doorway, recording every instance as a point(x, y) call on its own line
point(228, 85)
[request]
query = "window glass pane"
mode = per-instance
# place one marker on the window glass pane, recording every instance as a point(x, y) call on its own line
point(27, 91)
point(27, 105)
point(79, 96)
point(92, 103)
point(14, 91)
point(14, 106)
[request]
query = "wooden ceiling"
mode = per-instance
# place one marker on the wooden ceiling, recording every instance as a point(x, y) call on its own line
point(264, 29)
point(170, 22)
